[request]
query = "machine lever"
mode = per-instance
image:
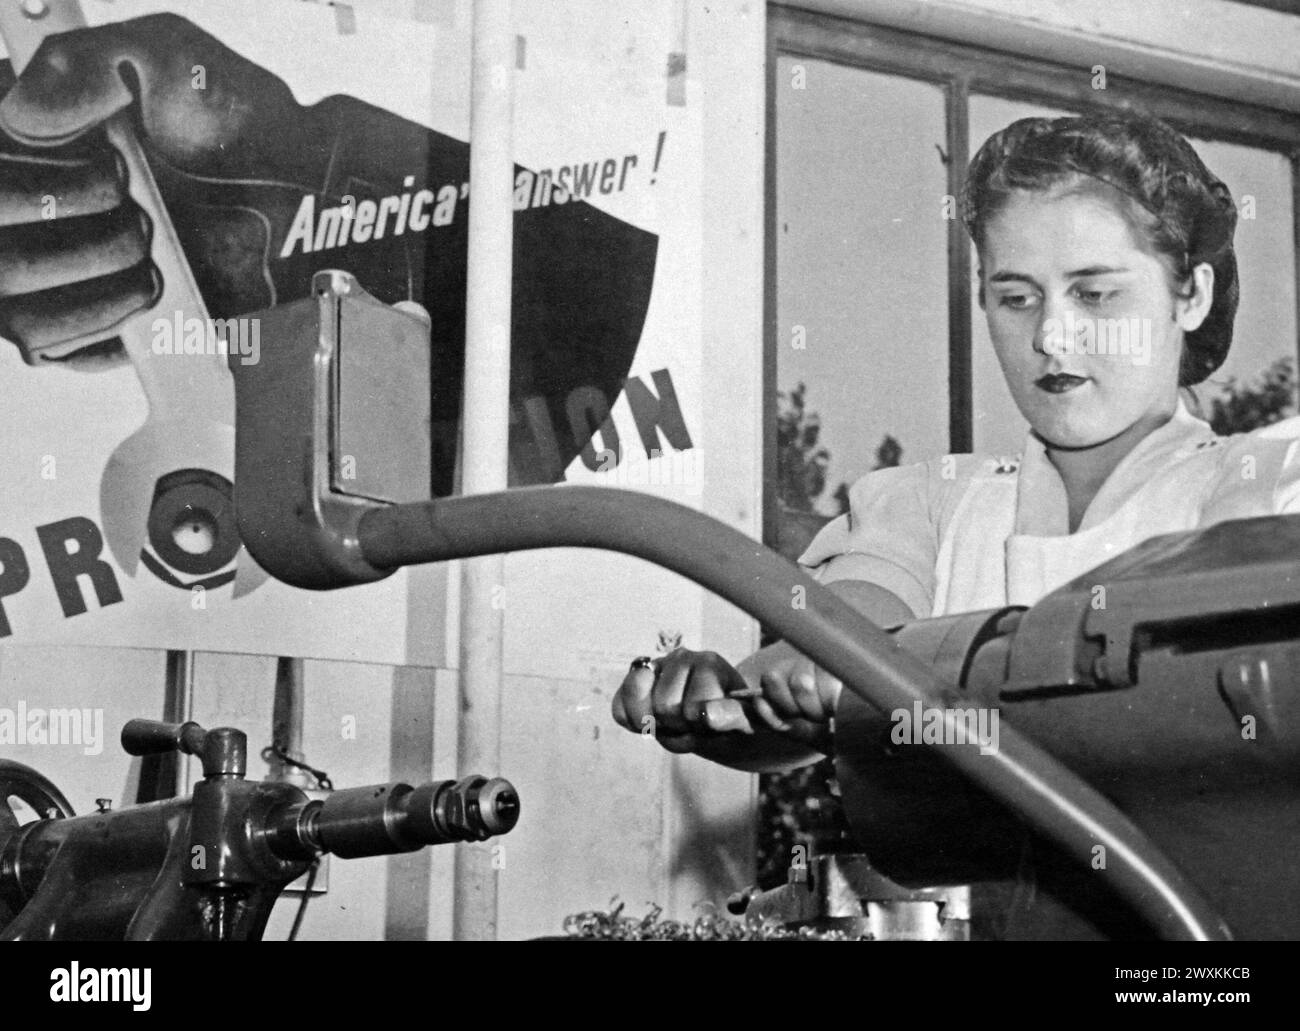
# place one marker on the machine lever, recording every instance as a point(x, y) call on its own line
point(222, 752)
point(151, 737)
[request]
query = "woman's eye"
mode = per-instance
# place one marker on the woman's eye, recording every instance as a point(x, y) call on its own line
point(1015, 301)
point(1095, 296)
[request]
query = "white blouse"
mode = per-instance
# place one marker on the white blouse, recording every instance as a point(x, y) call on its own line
point(968, 532)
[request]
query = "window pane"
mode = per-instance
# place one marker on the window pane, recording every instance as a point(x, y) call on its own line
point(861, 268)
point(1265, 327)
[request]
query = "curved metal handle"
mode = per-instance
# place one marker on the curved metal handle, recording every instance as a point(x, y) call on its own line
point(829, 631)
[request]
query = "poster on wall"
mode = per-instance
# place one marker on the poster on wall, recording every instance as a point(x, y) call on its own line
point(285, 139)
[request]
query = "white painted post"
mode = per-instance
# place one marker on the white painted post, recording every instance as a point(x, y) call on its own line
point(485, 429)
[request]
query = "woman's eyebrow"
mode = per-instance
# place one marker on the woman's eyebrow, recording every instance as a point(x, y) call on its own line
point(1009, 276)
point(1095, 270)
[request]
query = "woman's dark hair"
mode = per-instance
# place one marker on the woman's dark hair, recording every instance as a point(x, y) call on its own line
point(1184, 211)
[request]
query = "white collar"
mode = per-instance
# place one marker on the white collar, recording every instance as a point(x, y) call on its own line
point(1042, 508)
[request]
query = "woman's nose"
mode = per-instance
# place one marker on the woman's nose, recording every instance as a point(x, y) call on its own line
point(1055, 326)
point(1039, 342)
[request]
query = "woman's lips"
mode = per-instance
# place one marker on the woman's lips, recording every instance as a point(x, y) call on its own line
point(1059, 382)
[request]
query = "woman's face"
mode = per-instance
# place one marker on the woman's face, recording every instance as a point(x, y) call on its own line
point(1086, 327)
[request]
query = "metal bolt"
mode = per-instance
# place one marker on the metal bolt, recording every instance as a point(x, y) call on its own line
point(104, 804)
point(35, 8)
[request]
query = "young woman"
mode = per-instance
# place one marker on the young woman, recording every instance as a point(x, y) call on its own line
point(1109, 281)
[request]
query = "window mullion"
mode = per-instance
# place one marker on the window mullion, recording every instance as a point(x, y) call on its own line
point(961, 429)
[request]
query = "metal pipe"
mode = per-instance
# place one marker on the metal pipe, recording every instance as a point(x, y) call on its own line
point(830, 632)
point(485, 431)
point(178, 707)
point(286, 710)
point(286, 724)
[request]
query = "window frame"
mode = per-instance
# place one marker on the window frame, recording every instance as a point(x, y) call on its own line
point(961, 70)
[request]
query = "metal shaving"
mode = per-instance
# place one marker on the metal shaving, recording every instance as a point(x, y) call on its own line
point(598, 925)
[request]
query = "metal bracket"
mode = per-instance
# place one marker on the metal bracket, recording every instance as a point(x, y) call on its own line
point(333, 422)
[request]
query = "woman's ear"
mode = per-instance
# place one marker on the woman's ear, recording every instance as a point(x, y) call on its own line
point(1191, 309)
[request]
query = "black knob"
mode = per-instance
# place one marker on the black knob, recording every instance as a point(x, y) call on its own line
point(150, 737)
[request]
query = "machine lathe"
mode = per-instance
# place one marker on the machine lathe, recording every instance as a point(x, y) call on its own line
point(1177, 700)
point(209, 866)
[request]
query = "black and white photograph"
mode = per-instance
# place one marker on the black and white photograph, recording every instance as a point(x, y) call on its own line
point(651, 470)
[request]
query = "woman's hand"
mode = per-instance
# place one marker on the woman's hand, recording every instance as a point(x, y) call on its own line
point(771, 713)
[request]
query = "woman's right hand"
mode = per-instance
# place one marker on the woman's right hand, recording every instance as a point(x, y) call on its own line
point(772, 713)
